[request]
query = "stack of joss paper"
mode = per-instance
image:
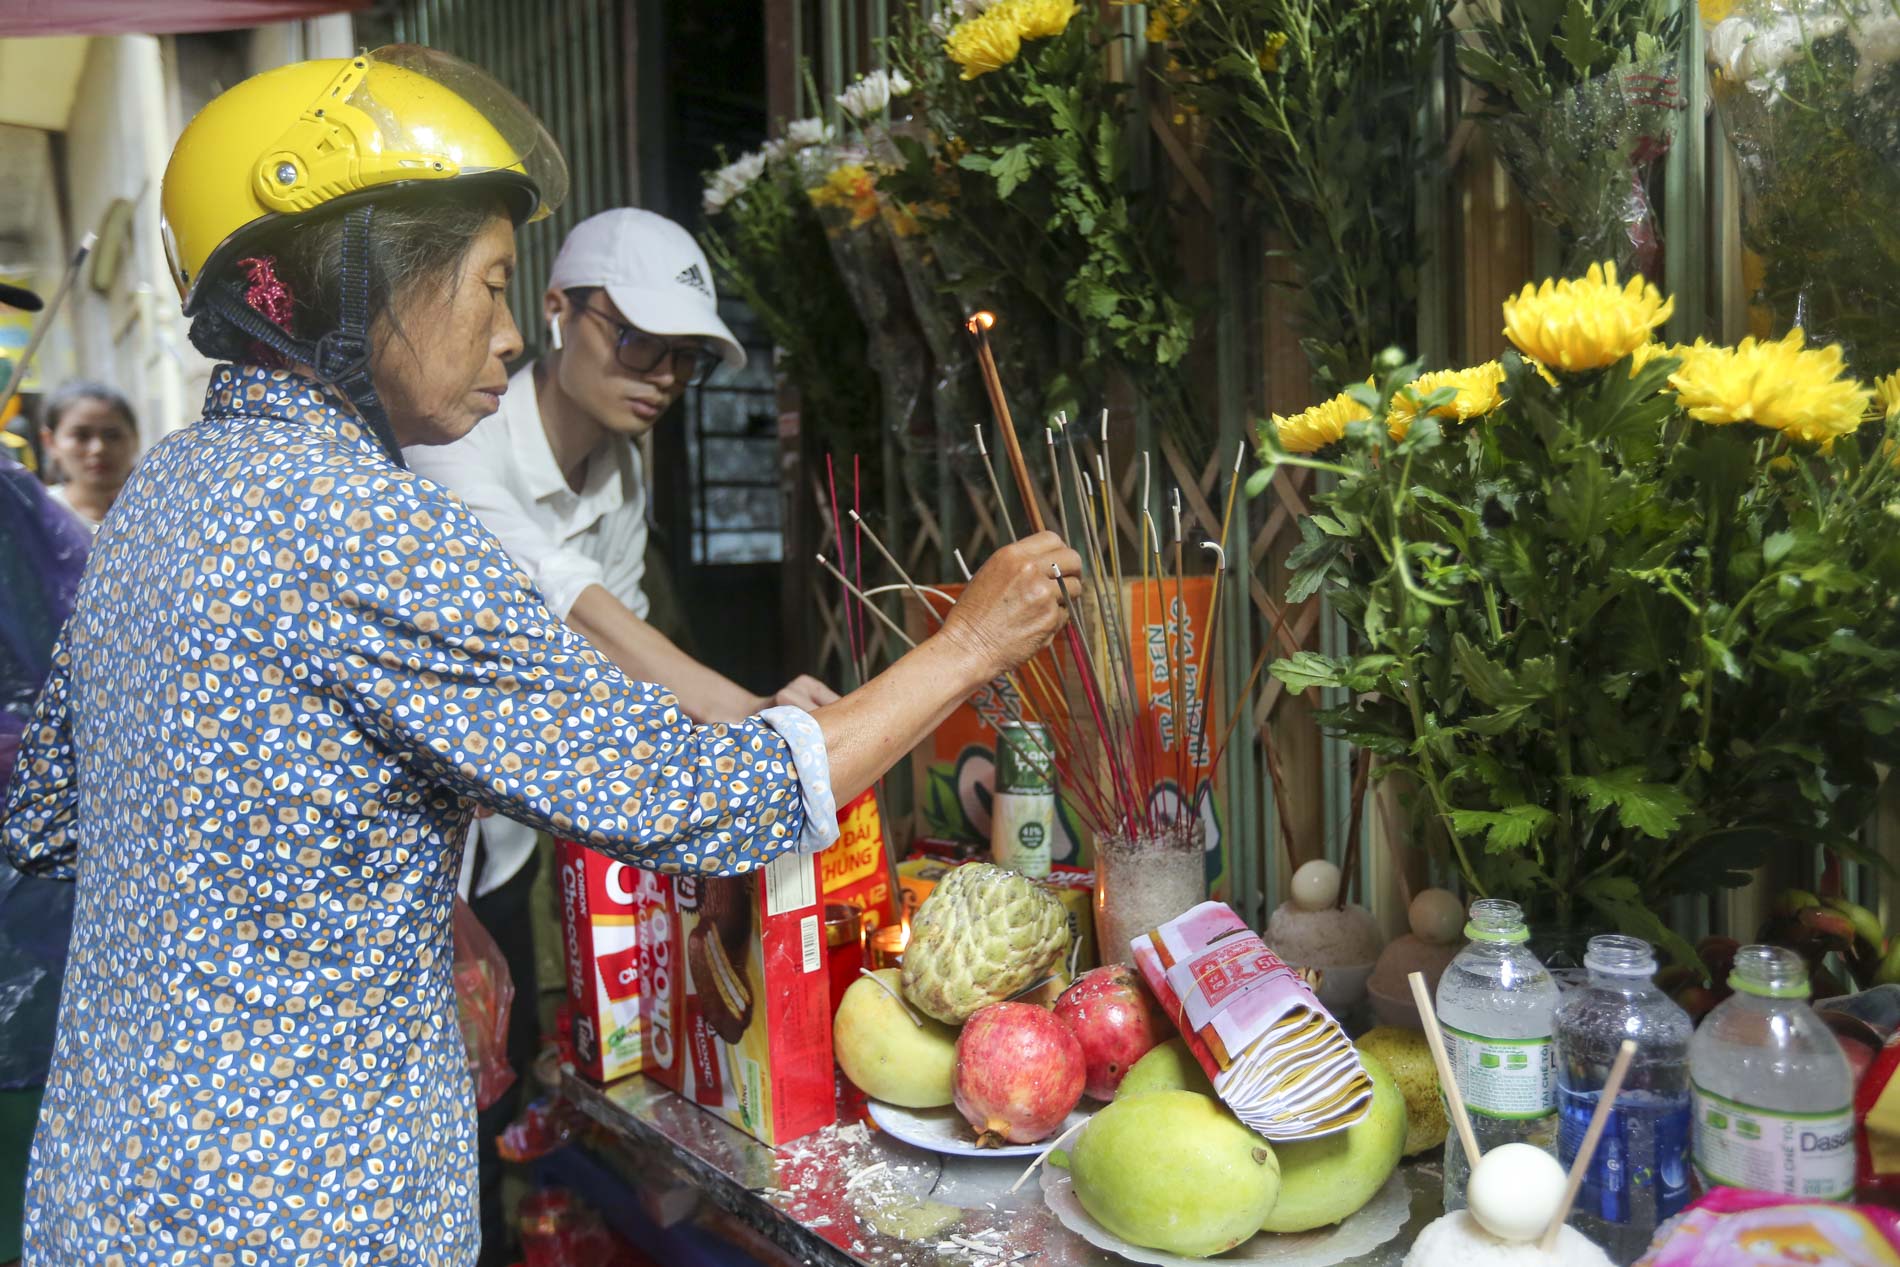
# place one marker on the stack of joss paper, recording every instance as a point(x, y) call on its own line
point(1276, 1057)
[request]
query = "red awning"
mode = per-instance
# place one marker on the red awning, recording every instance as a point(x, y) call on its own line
point(156, 17)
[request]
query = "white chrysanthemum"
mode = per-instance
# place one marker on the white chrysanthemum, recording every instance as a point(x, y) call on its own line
point(801, 133)
point(730, 181)
point(867, 98)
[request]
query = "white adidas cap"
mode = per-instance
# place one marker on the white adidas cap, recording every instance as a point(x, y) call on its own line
point(653, 271)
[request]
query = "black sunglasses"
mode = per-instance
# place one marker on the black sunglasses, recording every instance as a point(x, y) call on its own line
point(642, 353)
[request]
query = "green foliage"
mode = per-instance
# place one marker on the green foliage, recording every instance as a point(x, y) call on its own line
point(1022, 183)
point(1524, 53)
point(1317, 103)
point(1623, 655)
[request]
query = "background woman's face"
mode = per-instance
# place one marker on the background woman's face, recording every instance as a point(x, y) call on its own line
point(95, 445)
point(442, 364)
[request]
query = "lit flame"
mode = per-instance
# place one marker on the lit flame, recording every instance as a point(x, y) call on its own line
point(903, 938)
point(979, 322)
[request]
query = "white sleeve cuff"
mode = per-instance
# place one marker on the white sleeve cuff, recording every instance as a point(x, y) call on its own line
point(807, 742)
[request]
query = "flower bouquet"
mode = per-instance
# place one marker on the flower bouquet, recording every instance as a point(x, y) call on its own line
point(1026, 155)
point(764, 237)
point(1317, 104)
point(1809, 92)
point(1628, 615)
point(842, 185)
point(1581, 102)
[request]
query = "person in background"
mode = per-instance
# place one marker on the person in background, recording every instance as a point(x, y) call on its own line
point(93, 439)
point(556, 475)
point(42, 554)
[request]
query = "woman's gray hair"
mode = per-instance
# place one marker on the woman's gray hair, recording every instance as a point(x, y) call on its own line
point(418, 239)
point(71, 393)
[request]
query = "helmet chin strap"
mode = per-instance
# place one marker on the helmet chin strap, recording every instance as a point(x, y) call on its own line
point(340, 358)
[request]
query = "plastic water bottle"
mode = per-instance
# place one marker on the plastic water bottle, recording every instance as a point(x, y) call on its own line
point(1639, 1175)
point(1773, 1095)
point(1495, 1005)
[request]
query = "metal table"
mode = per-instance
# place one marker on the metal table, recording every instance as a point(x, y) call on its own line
point(849, 1196)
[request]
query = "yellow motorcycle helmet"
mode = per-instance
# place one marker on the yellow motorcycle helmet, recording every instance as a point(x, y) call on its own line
point(331, 133)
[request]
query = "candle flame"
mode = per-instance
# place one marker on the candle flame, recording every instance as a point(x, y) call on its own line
point(979, 322)
point(903, 937)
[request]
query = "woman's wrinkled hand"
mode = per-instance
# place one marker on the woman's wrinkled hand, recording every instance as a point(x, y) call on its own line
point(1014, 604)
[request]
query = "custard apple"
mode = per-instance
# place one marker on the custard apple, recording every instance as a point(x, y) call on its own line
point(981, 936)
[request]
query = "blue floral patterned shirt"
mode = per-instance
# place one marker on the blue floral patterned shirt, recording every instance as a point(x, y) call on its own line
point(294, 671)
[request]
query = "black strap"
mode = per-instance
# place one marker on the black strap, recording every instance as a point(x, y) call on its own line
point(341, 358)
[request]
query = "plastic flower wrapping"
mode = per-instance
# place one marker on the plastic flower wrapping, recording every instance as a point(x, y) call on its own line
point(841, 182)
point(1585, 157)
point(1809, 94)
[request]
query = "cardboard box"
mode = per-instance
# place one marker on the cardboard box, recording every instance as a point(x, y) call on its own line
point(854, 870)
point(749, 998)
point(606, 967)
point(1074, 887)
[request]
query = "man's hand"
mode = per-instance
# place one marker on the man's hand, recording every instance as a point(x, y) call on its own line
point(804, 692)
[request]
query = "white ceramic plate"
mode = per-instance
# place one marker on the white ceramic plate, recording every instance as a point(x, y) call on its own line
point(945, 1131)
point(1377, 1222)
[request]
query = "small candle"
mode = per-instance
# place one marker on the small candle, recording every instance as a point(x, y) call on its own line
point(844, 947)
point(887, 946)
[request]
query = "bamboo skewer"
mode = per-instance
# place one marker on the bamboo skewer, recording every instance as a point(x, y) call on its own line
point(1454, 1095)
point(1606, 1101)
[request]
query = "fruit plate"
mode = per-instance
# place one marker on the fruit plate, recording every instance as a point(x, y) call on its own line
point(1377, 1222)
point(944, 1130)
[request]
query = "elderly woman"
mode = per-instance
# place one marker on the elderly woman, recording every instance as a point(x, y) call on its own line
point(295, 671)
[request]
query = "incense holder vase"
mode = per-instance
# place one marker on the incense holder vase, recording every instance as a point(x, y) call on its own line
point(1142, 882)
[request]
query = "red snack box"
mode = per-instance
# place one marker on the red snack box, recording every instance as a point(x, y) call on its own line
point(747, 996)
point(606, 968)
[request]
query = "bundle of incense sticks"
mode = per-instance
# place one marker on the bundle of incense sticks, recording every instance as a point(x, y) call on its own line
point(1132, 738)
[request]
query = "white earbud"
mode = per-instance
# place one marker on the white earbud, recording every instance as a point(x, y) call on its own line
point(554, 331)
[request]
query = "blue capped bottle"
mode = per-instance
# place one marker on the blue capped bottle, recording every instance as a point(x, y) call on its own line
point(1640, 1174)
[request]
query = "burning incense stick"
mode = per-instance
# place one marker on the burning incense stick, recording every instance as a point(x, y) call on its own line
point(979, 326)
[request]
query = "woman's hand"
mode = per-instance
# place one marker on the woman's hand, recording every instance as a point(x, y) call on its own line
point(1014, 605)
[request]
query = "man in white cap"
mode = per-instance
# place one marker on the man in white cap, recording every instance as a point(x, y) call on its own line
point(556, 475)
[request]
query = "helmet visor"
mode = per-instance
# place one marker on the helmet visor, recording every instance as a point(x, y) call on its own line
point(429, 110)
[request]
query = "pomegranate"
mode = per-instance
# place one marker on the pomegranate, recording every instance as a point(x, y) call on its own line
point(1019, 1072)
point(1116, 1020)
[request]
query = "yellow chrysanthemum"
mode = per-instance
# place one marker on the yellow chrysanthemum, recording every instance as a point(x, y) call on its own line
point(1714, 12)
point(1887, 395)
point(1648, 352)
point(850, 186)
point(1802, 392)
point(1041, 19)
point(989, 41)
point(1477, 396)
point(1313, 429)
point(1584, 323)
point(1270, 51)
point(1165, 17)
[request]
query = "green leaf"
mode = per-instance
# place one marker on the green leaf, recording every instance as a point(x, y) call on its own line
point(1776, 547)
point(1621, 900)
point(1309, 668)
point(1510, 828)
point(1655, 809)
point(1579, 43)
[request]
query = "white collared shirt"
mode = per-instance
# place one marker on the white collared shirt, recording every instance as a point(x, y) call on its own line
point(565, 541)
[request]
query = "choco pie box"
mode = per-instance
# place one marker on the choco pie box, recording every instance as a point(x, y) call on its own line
point(609, 911)
point(751, 1005)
